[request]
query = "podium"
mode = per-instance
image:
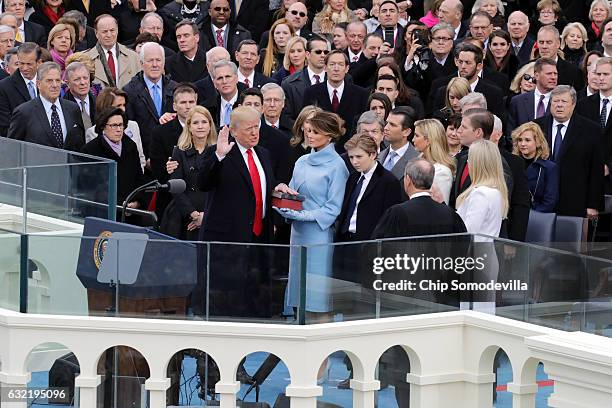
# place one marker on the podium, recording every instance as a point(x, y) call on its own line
point(132, 271)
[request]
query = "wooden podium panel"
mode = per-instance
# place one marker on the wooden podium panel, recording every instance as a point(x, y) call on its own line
point(99, 301)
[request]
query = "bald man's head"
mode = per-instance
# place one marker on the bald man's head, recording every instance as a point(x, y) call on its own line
point(518, 26)
point(451, 12)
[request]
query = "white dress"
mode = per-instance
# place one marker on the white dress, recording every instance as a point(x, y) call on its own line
point(481, 213)
point(443, 180)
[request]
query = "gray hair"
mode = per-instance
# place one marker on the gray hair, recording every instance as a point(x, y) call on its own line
point(78, 16)
point(473, 98)
point(148, 15)
point(520, 14)
point(421, 172)
point(6, 13)
point(75, 66)
point(563, 89)
point(8, 55)
point(443, 26)
point(497, 123)
point(148, 45)
point(498, 3)
point(6, 29)
point(271, 86)
point(369, 118)
point(224, 63)
point(45, 67)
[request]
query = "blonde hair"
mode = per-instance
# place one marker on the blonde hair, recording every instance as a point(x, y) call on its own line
point(604, 4)
point(59, 28)
point(185, 140)
point(271, 50)
point(486, 170)
point(437, 151)
point(327, 18)
point(580, 28)
point(515, 86)
point(241, 114)
point(459, 87)
point(305, 114)
point(542, 149)
point(292, 41)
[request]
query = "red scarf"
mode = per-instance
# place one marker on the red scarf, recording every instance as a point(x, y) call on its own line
point(292, 69)
point(595, 30)
point(52, 15)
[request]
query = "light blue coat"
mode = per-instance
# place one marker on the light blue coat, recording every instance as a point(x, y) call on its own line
point(321, 177)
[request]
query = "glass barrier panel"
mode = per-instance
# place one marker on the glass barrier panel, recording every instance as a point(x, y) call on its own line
point(10, 267)
point(11, 199)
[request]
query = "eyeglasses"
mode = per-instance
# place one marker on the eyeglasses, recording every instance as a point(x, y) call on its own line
point(319, 52)
point(441, 39)
point(298, 13)
point(529, 78)
point(115, 126)
point(221, 9)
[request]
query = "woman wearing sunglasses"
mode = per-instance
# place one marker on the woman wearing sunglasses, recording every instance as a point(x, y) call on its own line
point(524, 80)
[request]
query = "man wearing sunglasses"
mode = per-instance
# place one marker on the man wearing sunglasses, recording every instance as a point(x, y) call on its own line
point(535, 104)
point(219, 31)
point(297, 16)
point(295, 84)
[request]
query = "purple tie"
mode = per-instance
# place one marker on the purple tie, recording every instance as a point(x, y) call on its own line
point(541, 109)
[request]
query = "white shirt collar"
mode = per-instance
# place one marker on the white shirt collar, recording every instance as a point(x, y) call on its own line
point(475, 83)
point(340, 90)
point(401, 151)
point(26, 80)
point(277, 123)
point(47, 104)
point(420, 194)
point(311, 75)
point(368, 175)
point(555, 123)
point(231, 101)
point(251, 77)
point(215, 29)
point(352, 55)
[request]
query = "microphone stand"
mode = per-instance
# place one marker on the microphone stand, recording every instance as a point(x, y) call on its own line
point(129, 198)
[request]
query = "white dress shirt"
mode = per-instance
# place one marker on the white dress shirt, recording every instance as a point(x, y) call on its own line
point(400, 152)
point(339, 90)
point(536, 100)
point(443, 180)
point(224, 104)
point(47, 106)
point(366, 180)
point(33, 80)
point(481, 212)
point(608, 105)
point(115, 58)
point(260, 170)
point(311, 75)
point(352, 56)
point(251, 78)
point(275, 124)
point(554, 132)
point(223, 30)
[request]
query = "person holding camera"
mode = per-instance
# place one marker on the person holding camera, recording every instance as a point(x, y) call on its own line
point(430, 57)
point(389, 28)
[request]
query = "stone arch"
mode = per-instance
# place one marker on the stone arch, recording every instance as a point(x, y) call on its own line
point(334, 374)
point(196, 366)
point(390, 369)
point(272, 386)
point(491, 360)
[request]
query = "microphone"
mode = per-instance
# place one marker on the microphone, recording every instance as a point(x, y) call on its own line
point(175, 186)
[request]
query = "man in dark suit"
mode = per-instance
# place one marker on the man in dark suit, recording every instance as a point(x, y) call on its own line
point(337, 95)
point(273, 104)
point(247, 56)
point(531, 105)
point(149, 93)
point(390, 29)
point(595, 109)
point(26, 30)
point(91, 9)
point(49, 120)
point(189, 64)
point(20, 87)
point(420, 215)
point(297, 16)
point(165, 137)
point(239, 175)
point(253, 15)
point(205, 87)
point(219, 31)
point(296, 84)
point(78, 79)
point(451, 12)
point(398, 133)
point(548, 46)
point(576, 146)
point(522, 43)
point(174, 12)
point(469, 59)
point(221, 102)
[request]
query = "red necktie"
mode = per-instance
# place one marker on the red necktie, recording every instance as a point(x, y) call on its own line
point(464, 175)
point(247, 83)
point(355, 58)
point(258, 220)
point(111, 65)
point(335, 101)
point(220, 38)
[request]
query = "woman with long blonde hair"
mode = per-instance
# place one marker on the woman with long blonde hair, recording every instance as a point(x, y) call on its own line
point(295, 59)
point(484, 204)
point(334, 12)
point(430, 140)
point(183, 216)
point(274, 53)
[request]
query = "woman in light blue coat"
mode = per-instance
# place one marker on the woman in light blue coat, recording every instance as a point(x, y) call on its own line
point(319, 176)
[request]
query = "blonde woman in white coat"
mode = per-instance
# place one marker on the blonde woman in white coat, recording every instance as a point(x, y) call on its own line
point(430, 140)
point(482, 207)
